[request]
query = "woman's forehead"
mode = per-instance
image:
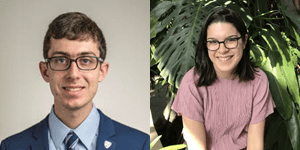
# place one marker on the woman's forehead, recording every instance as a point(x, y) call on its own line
point(221, 30)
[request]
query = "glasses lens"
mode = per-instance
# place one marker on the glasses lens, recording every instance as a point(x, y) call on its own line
point(87, 62)
point(212, 45)
point(231, 43)
point(59, 63)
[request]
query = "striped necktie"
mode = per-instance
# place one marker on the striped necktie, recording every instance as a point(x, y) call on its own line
point(71, 140)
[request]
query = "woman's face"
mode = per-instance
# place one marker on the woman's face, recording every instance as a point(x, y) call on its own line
point(225, 60)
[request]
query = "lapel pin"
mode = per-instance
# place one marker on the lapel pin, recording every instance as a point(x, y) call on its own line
point(107, 144)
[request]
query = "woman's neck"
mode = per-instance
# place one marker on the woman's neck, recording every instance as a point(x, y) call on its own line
point(227, 75)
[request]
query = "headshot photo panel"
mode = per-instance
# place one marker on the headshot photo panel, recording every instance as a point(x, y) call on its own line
point(224, 74)
point(74, 74)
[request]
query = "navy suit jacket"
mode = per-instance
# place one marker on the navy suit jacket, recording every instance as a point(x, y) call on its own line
point(122, 137)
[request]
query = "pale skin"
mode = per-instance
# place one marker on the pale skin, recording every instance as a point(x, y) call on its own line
point(194, 134)
point(73, 107)
point(255, 139)
point(225, 62)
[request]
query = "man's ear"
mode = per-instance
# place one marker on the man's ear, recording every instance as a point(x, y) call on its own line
point(44, 71)
point(103, 71)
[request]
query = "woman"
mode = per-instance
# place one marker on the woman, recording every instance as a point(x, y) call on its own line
point(224, 99)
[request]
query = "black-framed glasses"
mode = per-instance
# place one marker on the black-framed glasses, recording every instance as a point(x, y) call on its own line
point(62, 63)
point(230, 43)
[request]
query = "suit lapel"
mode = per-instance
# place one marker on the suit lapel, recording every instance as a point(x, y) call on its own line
point(104, 142)
point(106, 130)
point(40, 133)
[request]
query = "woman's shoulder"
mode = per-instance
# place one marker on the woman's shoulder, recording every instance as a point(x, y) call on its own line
point(190, 77)
point(260, 76)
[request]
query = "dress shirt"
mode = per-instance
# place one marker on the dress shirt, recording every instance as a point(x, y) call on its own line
point(87, 132)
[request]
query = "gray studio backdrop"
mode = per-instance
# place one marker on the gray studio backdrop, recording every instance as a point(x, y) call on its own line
point(25, 98)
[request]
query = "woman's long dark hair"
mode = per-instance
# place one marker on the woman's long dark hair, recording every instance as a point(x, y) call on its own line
point(204, 66)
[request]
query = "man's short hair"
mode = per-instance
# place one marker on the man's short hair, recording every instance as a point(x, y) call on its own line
point(74, 26)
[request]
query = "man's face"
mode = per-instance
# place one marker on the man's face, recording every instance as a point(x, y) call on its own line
point(73, 88)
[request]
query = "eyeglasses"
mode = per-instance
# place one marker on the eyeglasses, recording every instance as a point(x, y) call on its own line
point(213, 45)
point(62, 63)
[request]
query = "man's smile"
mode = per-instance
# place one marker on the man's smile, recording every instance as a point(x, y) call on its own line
point(73, 88)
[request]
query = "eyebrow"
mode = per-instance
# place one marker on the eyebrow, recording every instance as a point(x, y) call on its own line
point(67, 54)
point(225, 38)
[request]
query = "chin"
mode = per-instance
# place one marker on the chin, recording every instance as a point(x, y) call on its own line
point(75, 104)
point(227, 70)
point(224, 69)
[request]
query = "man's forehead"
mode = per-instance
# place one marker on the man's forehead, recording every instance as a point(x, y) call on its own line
point(73, 47)
point(57, 52)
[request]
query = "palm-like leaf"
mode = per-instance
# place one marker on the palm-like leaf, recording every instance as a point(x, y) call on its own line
point(291, 11)
point(278, 66)
point(282, 69)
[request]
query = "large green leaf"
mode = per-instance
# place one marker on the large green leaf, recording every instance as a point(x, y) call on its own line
point(243, 11)
point(281, 71)
point(284, 141)
point(258, 55)
point(276, 125)
point(160, 11)
point(293, 128)
point(278, 88)
point(295, 35)
point(153, 61)
point(291, 12)
point(153, 22)
point(287, 67)
point(260, 8)
point(155, 141)
point(176, 52)
point(281, 74)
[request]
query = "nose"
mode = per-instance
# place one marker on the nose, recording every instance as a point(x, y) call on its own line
point(222, 49)
point(73, 72)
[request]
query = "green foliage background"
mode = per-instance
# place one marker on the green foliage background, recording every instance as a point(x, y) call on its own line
point(274, 34)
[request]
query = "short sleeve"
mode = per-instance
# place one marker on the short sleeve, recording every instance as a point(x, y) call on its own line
point(188, 101)
point(263, 104)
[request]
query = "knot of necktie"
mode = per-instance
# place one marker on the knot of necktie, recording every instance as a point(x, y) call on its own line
point(71, 140)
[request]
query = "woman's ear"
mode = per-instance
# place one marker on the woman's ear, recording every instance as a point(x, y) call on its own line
point(245, 41)
point(44, 71)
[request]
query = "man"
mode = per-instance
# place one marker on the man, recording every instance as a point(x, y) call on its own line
point(75, 49)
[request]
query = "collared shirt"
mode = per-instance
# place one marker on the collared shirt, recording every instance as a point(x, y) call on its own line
point(87, 132)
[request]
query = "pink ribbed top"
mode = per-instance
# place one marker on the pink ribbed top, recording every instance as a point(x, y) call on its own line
point(226, 107)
